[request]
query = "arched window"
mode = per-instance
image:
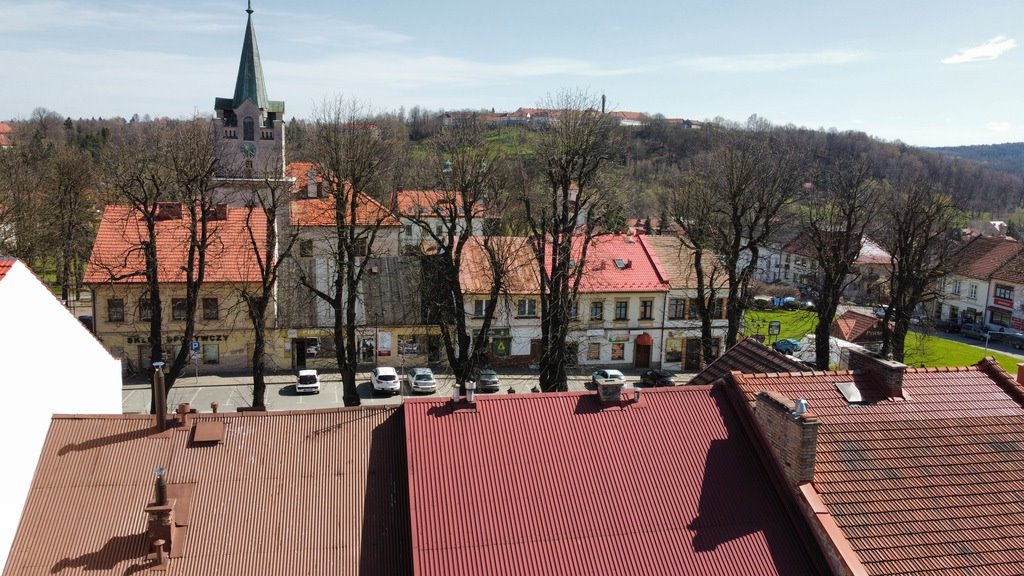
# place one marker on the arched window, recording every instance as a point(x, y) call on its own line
point(248, 128)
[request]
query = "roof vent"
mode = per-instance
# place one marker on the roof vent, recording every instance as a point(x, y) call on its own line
point(623, 264)
point(801, 407)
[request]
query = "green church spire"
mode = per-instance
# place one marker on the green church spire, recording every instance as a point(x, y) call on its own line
point(249, 85)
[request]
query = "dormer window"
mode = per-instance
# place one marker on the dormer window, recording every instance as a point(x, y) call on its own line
point(249, 128)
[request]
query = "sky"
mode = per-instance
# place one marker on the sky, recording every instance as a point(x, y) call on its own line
point(927, 73)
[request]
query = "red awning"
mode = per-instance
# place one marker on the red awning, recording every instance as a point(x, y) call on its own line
point(645, 339)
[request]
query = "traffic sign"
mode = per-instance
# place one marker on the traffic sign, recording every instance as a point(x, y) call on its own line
point(195, 346)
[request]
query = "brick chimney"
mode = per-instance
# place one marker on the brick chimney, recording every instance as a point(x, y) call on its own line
point(1020, 373)
point(792, 434)
point(886, 373)
point(610, 393)
point(160, 521)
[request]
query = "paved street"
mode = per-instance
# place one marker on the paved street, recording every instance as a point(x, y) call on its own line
point(232, 392)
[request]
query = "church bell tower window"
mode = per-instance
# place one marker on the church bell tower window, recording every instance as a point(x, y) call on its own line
point(248, 126)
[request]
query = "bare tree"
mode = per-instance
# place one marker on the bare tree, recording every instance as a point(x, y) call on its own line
point(751, 176)
point(265, 205)
point(72, 202)
point(920, 235)
point(164, 173)
point(695, 208)
point(455, 220)
point(572, 204)
point(355, 154)
point(837, 214)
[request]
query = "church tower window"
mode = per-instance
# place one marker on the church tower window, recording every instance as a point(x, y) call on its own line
point(248, 126)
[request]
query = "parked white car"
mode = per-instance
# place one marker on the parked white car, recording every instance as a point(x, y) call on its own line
point(385, 380)
point(607, 376)
point(421, 380)
point(309, 381)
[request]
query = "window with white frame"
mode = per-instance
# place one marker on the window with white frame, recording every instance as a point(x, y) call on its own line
point(972, 291)
point(597, 310)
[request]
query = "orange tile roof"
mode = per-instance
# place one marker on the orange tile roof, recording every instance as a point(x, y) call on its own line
point(926, 485)
point(1012, 270)
point(117, 255)
point(313, 492)
point(319, 212)
point(425, 203)
point(555, 484)
point(5, 265)
point(614, 263)
point(853, 326)
point(476, 276)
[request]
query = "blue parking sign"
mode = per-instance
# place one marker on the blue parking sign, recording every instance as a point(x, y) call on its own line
point(195, 345)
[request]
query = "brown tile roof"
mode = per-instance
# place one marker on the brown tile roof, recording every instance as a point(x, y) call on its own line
point(984, 256)
point(676, 259)
point(749, 357)
point(555, 484)
point(1012, 270)
point(927, 485)
point(426, 203)
point(117, 254)
point(870, 252)
point(314, 492)
point(319, 212)
point(853, 326)
point(476, 275)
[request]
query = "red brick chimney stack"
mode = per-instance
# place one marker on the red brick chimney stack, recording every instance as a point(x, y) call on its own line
point(792, 433)
point(886, 373)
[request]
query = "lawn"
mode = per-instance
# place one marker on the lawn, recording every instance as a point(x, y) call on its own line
point(929, 351)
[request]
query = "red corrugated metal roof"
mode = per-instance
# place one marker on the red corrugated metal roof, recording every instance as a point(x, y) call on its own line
point(315, 492)
point(117, 252)
point(927, 485)
point(552, 484)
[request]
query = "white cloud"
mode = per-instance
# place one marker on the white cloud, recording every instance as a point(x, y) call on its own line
point(769, 62)
point(990, 50)
point(998, 126)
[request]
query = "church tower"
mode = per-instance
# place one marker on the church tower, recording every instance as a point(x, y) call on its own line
point(249, 127)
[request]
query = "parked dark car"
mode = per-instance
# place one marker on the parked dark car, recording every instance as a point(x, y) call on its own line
point(657, 378)
point(976, 331)
point(1012, 337)
point(948, 326)
point(787, 345)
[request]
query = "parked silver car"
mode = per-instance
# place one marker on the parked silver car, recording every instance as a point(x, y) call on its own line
point(421, 380)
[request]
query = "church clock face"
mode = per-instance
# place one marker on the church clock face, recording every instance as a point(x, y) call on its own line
point(248, 149)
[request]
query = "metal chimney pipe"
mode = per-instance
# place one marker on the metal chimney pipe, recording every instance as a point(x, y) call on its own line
point(159, 396)
point(160, 496)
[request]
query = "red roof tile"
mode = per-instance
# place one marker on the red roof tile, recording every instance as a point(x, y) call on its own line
point(315, 492)
point(853, 326)
point(927, 485)
point(5, 265)
point(425, 203)
point(984, 255)
point(553, 484)
point(117, 255)
point(319, 212)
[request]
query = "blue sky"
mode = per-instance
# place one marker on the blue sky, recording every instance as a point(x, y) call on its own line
point(928, 73)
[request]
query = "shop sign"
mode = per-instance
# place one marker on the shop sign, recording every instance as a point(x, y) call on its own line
point(384, 344)
point(171, 339)
point(1003, 302)
point(618, 338)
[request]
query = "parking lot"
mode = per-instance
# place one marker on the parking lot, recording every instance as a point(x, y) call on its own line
point(232, 392)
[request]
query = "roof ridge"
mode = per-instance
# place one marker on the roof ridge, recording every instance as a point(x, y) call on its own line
point(1008, 383)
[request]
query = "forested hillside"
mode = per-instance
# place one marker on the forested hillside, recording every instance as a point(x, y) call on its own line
point(1004, 157)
